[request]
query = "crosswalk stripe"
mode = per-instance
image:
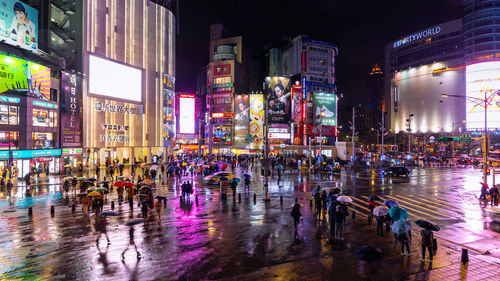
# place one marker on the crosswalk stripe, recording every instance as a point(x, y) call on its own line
point(434, 202)
point(451, 208)
point(414, 210)
point(446, 212)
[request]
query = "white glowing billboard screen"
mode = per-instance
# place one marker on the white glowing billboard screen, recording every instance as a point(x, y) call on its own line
point(114, 80)
point(482, 81)
point(186, 113)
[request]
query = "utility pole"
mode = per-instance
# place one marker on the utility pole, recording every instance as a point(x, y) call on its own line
point(382, 129)
point(266, 169)
point(408, 128)
point(353, 128)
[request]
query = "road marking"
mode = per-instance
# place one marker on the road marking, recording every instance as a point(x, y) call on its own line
point(414, 210)
point(429, 208)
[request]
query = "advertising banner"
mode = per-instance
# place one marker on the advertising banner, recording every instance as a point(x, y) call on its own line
point(22, 77)
point(19, 24)
point(326, 131)
point(241, 117)
point(186, 113)
point(169, 122)
point(279, 99)
point(482, 79)
point(297, 103)
point(325, 109)
point(71, 109)
point(256, 127)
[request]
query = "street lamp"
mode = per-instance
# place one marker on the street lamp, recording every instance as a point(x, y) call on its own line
point(484, 102)
point(320, 116)
point(408, 128)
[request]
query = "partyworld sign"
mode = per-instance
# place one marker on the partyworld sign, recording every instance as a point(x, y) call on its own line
point(417, 36)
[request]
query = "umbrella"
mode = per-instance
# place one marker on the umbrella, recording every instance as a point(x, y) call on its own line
point(485, 185)
point(143, 183)
point(147, 181)
point(79, 163)
point(237, 180)
point(390, 203)
point(398, 213)
point(121, 165)
point(192, 165)
point(154, 167)
point(223, 179)
point(400, 227)
point(280, 167)
point(120, 178)
point(118, 183)
point(92, 179)
point(427, 225)
point(204, 166)
point(91, 189)
point(94, 193)
point(337, 190)
point(67, 179)
point(143, 165)
point(108, 213)
point(67, 166)
point(246, 175)
point(128, 184)
point(368, 253)
point(81, 179)
point(104, 181)
point(344, 199)
point(380, 211)
point(184, 164)
point(223, 166)
point(373, 198)
point(134, 221)
point(128, 177)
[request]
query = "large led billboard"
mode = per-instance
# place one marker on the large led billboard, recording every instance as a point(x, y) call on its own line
point(279, 99)
point(256, 127)
point(482, 81)
point(241, 117)
point(22, 77)
point(114, 80)
point(186, 113)
point(325, 109)
point(19, 24)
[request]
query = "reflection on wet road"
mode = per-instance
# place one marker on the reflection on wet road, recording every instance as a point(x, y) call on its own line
point(210, 239)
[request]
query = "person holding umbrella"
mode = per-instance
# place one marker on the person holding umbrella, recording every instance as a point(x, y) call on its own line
point(296, 215)
point(427, 234)
point(380, 212)
point(339, 217)
point(100, 226)
point(247, 182)
point(494, 195)
point(131, 231)
point(86, 202)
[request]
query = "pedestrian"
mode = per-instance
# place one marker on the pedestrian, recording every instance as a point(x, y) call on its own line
point(86, 202)
point(247, 184)
point(339, 218)
point(324, 196)
point(234, 184)
point(371, 206)
point(380, 225)
point(296, 215)
point(130, 196)
point(120, 189)
point(318, 204)
point(494, 195)
point(405, 242)
point(144, 209)
point(97, 171)
point(131, 242)
point(159, 208)
point(484, 191)
point(100, 226)
point(427, 238)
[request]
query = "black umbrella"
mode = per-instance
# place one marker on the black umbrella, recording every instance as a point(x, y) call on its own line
point(92, 179)
point(223, 179)
point(427, 225)
point(368, 253)
point(161, 197)
point(108, 213)
point(373, 197)
point(337, 190)
point(134, 221)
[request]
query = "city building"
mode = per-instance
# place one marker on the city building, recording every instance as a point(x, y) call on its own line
point(29, 91)
point(128, 47)
point(229, 74)
point(308, 67)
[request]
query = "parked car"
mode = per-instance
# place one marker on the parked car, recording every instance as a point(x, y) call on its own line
point(215, 178)
point(397, 172)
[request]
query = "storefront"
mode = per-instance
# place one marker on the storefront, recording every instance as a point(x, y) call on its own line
point(25, 160)
point(71, 156)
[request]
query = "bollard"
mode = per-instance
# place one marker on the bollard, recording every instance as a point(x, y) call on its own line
point(112, 205)
point(296, 200)
point(73, 208)
point(180, 199)
point(52, 210)
point(310, 203)
point(30, 211)
point(281, 199)
point(254, 197)
point(196, 199)
point(465, 256)
point(353, 214)
point(165, 202)
point(239, 197)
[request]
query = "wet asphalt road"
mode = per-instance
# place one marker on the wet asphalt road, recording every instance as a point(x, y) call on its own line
point(245, 240)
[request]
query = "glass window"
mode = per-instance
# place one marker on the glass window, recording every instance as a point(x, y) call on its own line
point(44, 118)
point(5, 115)
point(5, 139)
point(42, 140)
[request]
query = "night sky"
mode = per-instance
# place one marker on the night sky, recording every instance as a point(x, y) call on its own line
point(359, 28)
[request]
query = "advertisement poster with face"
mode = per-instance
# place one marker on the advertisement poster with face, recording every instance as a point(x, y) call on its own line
point(325, 109)
point(256, 127)
point(279, 99)
point(241, 117)
point(296, 103)
point(19, 24)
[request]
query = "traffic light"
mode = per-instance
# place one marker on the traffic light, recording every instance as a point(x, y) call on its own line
point(488, 172)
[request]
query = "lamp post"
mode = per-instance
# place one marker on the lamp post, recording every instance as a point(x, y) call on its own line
point(484, 102)
point(408, 126)
point(320, 116)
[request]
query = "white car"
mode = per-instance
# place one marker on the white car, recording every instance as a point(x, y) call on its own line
point(215, 178)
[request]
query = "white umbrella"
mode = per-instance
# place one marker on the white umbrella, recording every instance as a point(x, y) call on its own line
point(380, 211)
point(344, 199)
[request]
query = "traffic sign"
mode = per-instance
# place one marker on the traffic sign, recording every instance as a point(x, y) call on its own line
point(447, 138)
point(465, 138)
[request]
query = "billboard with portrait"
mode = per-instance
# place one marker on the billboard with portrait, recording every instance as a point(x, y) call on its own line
point(241, 117)
point(297, 103)
point(278, 91)
point(19, 24)
point(325, 109)
point(169, 128)
point(482, 79)
point(22, 77)
point(256, 127)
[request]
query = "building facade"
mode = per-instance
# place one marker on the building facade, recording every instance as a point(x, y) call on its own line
point(128, 46)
